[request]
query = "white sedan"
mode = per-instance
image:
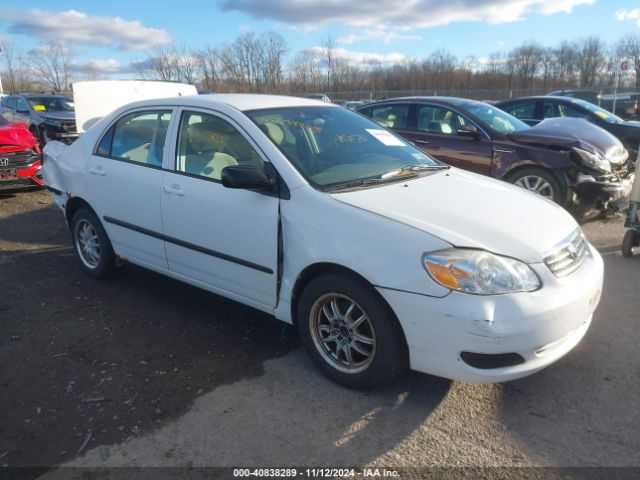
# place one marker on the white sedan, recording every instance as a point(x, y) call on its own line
point(382, 257)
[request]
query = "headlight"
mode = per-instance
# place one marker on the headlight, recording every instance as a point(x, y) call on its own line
point(593, 160)
point(479, 272)
point(51, 122)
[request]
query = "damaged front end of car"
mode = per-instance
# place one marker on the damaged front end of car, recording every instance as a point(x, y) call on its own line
point(601, 182)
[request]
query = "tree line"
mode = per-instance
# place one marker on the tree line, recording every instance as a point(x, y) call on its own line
point(265, 63)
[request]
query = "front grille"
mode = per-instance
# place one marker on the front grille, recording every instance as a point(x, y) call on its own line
point(69, 126)
point(18, 159)
point(568, 256)
point(16, 184)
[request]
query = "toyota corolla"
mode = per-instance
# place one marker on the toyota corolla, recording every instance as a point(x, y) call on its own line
point(382, 257)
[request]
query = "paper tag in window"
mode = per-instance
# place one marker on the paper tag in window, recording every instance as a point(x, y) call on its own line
point(387, 138)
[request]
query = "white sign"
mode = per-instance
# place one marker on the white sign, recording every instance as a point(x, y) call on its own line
point(386, 137)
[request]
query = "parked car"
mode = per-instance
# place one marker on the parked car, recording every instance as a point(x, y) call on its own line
point(353, 104)
point(532, 110)
point(380, 255)
point(587, 95)
point(319, 96)
point(20, 163)
point(48, 116)
point(569, 161)
point(626, 104)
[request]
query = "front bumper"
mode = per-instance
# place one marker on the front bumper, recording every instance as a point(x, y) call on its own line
point(602, 195)
point(541, 326)
point(29, 176)
point(60, 135)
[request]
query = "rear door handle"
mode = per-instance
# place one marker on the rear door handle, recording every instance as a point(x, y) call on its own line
point(173, 190)
point(97, 171)
point(422, 142)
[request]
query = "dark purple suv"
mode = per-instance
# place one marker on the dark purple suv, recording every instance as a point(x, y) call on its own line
point(570, 161)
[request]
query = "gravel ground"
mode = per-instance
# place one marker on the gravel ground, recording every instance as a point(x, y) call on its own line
point(142, 370)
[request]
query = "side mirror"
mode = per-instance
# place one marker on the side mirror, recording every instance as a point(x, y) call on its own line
point(468, 130)
point(246, 178)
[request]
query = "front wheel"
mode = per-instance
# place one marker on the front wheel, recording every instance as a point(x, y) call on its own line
point(539, 181)
point(92, 245)
point(349, 332)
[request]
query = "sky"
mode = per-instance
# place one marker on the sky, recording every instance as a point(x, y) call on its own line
point(109, 35)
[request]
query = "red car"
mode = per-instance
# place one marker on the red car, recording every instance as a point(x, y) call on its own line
point(20, 157)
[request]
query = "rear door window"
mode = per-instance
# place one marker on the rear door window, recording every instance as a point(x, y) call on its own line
point(522, 110)
point(137, 137)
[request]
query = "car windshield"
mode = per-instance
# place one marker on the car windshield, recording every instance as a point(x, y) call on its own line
point(494, 118)
point(333, 147)
point(50, 104)
point(596, 110)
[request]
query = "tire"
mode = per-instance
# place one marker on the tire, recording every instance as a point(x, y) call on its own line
point(375, 345)
point(91, 244)
point(539, 181)
point(630, 240)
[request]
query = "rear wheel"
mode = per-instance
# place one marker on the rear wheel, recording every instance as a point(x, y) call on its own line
point(92, 245)
point(630, 241)
point(349, 332)
point(539, 181)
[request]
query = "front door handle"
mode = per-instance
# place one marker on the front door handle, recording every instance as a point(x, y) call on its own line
point(97, 171)
point(422, 142)
point(173, 190)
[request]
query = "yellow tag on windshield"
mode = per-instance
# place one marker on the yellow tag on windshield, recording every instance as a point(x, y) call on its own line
point(602, 115)
point(39, 108)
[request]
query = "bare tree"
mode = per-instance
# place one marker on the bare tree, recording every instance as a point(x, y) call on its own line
point(51, 63)
point(209, 60)
point(590, 60)
point(306, 74)
point(10, 60)
point(629, 47)
point(328, 49)
point(526, 62)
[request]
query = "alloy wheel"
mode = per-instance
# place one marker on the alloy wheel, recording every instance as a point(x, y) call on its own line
point(537, 185)
point(342, 333)
point(87, 243)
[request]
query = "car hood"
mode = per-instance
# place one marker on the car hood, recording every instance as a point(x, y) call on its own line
point(12, 136)
point(566, 133)
point(469, 210)
point(59, 115)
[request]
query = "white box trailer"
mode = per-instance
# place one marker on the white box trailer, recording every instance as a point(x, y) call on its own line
point(95, 99)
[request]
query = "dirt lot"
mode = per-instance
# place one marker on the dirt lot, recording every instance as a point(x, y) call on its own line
point(142, 370)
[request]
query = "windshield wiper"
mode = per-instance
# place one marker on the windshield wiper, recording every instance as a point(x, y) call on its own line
point(411, 169)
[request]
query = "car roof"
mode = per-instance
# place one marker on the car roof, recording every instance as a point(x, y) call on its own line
point(542, 97)
point(239, 101)
point(43, 94)
point(443, 100)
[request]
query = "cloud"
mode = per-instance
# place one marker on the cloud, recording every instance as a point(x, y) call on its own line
point(405, 14)
point(101, 67)
point(629, 15)
point(78, 28)
point(378, 33)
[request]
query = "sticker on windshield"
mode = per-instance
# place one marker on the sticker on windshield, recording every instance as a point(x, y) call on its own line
point(387, 138)
point(602, 115)
point(39, 108)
